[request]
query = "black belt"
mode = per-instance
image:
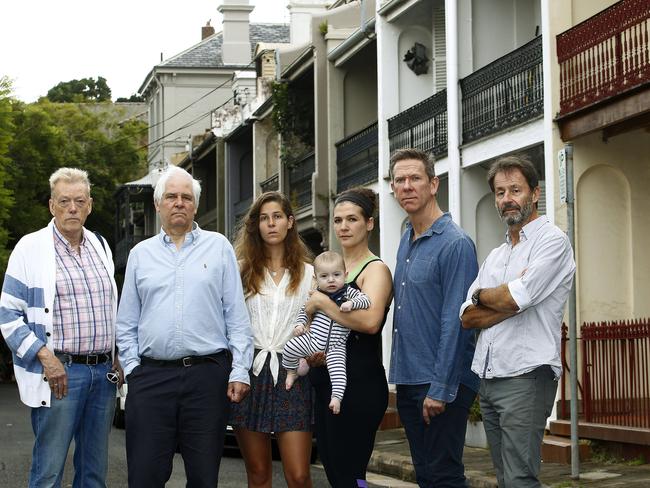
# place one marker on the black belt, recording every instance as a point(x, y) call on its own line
point(186, 362)
point(88, 359)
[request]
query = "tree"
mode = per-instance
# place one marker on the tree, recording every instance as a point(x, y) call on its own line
point(133, 98)
point(6, 199)
point(80, 91)
point(52, 135)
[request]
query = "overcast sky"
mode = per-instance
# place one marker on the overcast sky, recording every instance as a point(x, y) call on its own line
point(43, 42)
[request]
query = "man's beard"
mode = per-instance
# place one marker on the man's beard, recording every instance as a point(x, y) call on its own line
point(521, 216)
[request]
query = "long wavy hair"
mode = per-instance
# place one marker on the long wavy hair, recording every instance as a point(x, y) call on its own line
point(251, 251)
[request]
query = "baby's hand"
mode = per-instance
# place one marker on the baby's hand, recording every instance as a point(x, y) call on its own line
point(346, 306)
point(299, 330)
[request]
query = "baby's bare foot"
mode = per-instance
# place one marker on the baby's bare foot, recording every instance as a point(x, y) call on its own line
point(291, 378)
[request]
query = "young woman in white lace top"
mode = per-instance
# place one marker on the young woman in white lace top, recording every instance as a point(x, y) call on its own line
point(276, 278)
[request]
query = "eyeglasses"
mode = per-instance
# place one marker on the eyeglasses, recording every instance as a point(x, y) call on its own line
point(113, 377)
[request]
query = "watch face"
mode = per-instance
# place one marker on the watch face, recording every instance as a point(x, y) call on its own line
point(475, 296)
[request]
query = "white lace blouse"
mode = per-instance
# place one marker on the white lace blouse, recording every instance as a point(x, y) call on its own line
point(273, 317)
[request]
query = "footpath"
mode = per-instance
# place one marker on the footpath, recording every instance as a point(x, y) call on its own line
point(392, 461)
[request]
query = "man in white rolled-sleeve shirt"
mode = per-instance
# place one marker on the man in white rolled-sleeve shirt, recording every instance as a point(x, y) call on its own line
point(517, 300)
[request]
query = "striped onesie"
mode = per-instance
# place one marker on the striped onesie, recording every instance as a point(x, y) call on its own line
point(325, 335)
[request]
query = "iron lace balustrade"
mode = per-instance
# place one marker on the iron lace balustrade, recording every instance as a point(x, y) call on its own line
point(357, 159)
point(605, 55)
point(239, 210)
point(300, 181)
point(504, 93)
point(422, 126)
point(270, 184)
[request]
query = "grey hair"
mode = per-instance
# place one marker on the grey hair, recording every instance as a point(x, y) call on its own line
point(69, 175)
point(169, 173)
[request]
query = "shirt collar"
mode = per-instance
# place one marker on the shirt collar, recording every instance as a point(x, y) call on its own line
point(437, 227)
point(190, 237)
point(58, 237)
point(529, 229)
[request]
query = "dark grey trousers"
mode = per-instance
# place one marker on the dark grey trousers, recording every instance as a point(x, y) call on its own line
point(514, 415)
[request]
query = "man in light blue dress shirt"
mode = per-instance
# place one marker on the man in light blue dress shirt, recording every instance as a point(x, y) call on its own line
point(517, 300)
point(185, 341)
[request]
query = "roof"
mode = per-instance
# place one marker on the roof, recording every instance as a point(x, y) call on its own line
point(150, 179)
point(207, 53)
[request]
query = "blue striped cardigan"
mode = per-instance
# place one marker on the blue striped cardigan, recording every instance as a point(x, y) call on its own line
point(27, 304)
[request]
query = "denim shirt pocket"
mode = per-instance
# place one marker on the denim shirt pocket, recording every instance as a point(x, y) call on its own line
point(420, 270)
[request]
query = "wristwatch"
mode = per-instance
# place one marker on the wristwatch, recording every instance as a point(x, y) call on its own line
point(476, 297)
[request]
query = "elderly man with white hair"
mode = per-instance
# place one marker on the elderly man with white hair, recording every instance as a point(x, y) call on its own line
point(57, 314)
point(184, 339)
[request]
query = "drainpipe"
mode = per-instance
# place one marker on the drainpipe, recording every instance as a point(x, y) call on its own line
point(453, 112)
point(573, 338)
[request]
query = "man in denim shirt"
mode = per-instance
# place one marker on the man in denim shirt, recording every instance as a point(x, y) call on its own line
point(431, 354)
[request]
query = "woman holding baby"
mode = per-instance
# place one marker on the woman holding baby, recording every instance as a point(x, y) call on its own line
point(346, 440)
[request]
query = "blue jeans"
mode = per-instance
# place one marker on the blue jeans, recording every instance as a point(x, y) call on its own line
point(85, 413)
point(437, 448)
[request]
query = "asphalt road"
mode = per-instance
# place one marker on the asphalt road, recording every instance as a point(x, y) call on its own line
point(16, 441)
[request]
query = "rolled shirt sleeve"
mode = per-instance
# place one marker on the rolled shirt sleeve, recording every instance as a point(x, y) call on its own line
point(550, 264)
point(458, 268)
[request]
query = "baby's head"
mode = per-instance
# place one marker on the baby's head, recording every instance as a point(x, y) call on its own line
point(329, 269)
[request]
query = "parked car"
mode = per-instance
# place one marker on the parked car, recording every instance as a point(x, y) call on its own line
point(230, 447)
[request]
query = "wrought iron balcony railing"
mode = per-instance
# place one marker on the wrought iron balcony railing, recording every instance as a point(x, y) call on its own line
point(271, 184)
point(357, 159)
point(504, 93)
point(300, 181)
point(422, 126)
point(605, 55)
point(239, 210)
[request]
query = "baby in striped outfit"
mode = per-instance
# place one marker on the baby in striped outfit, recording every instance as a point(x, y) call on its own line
point(324, 334)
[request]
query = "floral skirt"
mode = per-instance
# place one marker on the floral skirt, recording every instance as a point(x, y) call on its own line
point(271, 408)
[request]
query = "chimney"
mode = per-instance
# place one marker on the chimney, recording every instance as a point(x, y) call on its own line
point(207, 30)
point(236, 47)
point(300, 14)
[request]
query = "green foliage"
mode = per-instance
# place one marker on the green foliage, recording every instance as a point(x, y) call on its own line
point(80, 91)
point(323, 28)
point(132, 99)
point(606, 453)
point(48, 136)
point(293, 118)
point(6, 197)
point(475, 414)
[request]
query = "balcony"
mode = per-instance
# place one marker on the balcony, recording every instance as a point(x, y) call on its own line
point(604, 56)
point(422, 126)
point(299, 177)
point(505, 93)
point(357, 159)
point(239, 210)
point(270, 184)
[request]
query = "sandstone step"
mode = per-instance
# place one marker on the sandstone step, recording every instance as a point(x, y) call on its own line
point(391, 419)
point(557, 449)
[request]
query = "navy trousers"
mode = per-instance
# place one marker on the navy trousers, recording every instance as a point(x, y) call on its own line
point(437, 448)
point(176, 406)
